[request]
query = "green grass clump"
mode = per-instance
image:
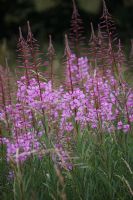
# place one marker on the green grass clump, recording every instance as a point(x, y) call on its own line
point(101, 170)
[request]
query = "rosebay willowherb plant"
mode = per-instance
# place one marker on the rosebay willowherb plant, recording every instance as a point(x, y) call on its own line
point(74, 140)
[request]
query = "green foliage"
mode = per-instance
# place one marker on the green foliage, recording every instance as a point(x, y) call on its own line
point(41, 5)
point(101, 170)
point(90, 6)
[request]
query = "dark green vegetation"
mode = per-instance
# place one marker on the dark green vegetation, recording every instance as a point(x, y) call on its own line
point(48, 17)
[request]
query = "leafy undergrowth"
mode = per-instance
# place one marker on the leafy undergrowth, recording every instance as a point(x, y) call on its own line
point(98, 171)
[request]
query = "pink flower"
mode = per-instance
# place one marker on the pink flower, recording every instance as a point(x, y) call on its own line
point(126, 128)
point(120, 125)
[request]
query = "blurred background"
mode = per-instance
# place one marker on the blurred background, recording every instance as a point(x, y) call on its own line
point(53, 17)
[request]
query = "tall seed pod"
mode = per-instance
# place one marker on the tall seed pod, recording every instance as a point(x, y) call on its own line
point(108, 30)
point(102, 50)
point(93, 48)
point(121, 61)
point(76, 36)
point(35, 54)
point(70, 83)
point(107, 25)
point(51, 56)
point(35, 62)
point(35, 59)
point(4, 97)
point(24, 56)
point(69, 70)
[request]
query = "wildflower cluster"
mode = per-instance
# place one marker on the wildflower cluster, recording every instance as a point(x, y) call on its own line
point(92, 97)
point(102, 104)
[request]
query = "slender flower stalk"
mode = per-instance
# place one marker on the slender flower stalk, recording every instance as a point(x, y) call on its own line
point(51, 55)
